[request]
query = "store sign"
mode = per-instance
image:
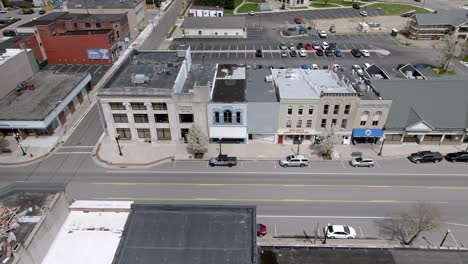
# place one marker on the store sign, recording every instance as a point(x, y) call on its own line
point(297, 131)
point(185, 109)
point(98, 54)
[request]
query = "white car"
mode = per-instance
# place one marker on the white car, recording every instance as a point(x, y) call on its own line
point(322, 34)
point(339, 231)
point(252, 13)
point(363, 13)
point(302, 53)
point(362, 162)
point(315, 67)
point(358, 69)
point(294, 161)
point(325, 45)
point(284, 54)
point(365, 53)
point(336, 67)
point(366, 65)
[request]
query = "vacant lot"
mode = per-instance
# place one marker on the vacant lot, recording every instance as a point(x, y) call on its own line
point(397, 9)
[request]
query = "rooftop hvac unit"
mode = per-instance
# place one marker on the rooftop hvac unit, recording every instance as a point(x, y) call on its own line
point(140, 79)
point(409, 75)
point(268, 78)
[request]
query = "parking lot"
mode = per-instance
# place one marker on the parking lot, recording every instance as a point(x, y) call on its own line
point(96, 71)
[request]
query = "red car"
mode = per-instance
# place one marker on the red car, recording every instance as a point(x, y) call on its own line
point(261, 230)
point(298, 20)
point(308, 46)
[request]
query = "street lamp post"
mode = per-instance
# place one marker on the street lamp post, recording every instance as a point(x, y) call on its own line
point(17, 137)
point(220, 150)
point(381, 146)
point(117, 137)
point(443, 240)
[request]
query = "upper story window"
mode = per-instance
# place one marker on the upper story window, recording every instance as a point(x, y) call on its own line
point(227, 116)
point(98, 25)
point(186, 118)
point(336, 110)
point(300, 111)
point(216, 117)
point(325, 109)
point(239, 117)
point(88, 25)
point(159, 106)
point(311, 110)
point(290, 110)
point(347, 108)
point(138, 106)
point(117, 106)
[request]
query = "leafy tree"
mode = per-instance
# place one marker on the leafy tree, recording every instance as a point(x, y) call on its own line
point(328, 140)
point(283, 6)
point(197, 140)
point(407, 226)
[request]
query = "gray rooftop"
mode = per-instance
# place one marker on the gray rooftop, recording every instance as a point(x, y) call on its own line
point(442, 103)
point(452, 17)
point(214, 22)
point(45, 19)
point(199, 75)
point(332, 255)
point(307, 84)
point(181, 234)
point(199, 7)
point(105, 4)
point(96, 18)
point(36, 104)
point(230, 84)
point(258, 90)
point(161, 68)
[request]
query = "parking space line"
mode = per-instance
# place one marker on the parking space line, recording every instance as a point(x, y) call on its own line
point(342, 164)
point(271, 51)
point(362, 234)
point(174, 163)
point(61, 67)
point(81, 66)
point(377, 164)
point(274, 163)
point(220, 47)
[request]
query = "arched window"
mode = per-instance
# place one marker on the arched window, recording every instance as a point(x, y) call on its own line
point(227, 116)
point(216, 117)
point(364, 117)
point(376, 117)
point(238, 117)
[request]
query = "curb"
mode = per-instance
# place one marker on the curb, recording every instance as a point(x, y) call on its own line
point(112, 164)
point(28, 162)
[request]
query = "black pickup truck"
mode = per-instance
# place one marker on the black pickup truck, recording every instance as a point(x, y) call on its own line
point(223, 160)
point(425, 156)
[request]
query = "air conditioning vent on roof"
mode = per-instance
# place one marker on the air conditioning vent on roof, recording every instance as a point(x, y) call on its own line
point(140, 79)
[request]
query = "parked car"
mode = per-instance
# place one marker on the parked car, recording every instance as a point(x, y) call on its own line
point(41, 12)
point(302, 53)
point(258, 54)
point(292, 53)
point(338, 53)
point(362, 162)
point(363, 13)
point(298, 20)
point(425, 156)
point(339, 231)
point(366, 65)
point(3, 11)
point(328, 52)
point(332, 46)
point(292, 46)
point(322, 34)
point(358, 69)
point(261, 230)
point(283, 45)
point(356, 53)
point(308, 46)
point(284, 54)
point(300, 45)
point(223, 160)
point(315, 67)
point(336, 67)
point(294, 161)
point(319, 52)
point(356, 6)
point(365, 53)
point(316, 45)
point(457, 156)
point(251, 13)
point(325, 45)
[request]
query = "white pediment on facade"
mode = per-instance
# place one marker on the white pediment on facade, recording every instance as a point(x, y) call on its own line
point(420, 126)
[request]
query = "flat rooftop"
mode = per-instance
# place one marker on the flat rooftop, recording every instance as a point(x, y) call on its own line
point(8, 42)
point(105, 4)
point(161, 68)
point(258, 90)
point(87, 32)
point(8, 54)
point(307, 84)
point(199, 75)
point(195, 234)
point(227, 22)
point(230, 84)
point(36, 104)
point(91, 231)
point(44, 20)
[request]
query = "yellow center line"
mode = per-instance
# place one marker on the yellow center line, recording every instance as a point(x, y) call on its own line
point(280, 185)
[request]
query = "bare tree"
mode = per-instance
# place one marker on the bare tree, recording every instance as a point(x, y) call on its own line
point(407, 226)
point(328, 140)
point(453, 48)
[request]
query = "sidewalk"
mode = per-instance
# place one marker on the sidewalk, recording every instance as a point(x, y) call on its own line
point(304, 242)
point(107, 152)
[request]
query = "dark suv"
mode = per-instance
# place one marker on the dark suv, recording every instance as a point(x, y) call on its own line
point(258, 54)
point(457, 156)
point(356, 53)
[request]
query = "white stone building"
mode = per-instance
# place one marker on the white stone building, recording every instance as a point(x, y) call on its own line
point(214, 27)
point(206, 11)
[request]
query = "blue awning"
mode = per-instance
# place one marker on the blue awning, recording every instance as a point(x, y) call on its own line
point(364, 132)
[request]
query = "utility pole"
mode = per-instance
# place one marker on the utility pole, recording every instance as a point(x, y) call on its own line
point(220, 149)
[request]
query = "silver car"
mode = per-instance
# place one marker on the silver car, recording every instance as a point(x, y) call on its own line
point(294, 161)
point(362, 162)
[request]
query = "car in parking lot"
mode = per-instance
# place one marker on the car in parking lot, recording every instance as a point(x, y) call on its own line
point(292, 46)
point(325, 45)
point(316, 45)
point(366, 65)
point(298, 20)
point(362, 162)
point(302, 53)
point(332, 46)
point(315, 67)
point(356, 6)
point(356, 53)
point(319, 52)
point(292, 53)
point(283, 45)
point(284, 54)
point(261, 230)
point(338, 53)
point(328, 52)
point(294, 161)
point(300, 45)
point(365, 53)
point(336, 67)
point(461, 156)
point(358, 69)
point(251, 13)
point(363, 13)
point(322, 34)
point(308, 46)
point(258, 54)
point(42, 11)
point(339, 231)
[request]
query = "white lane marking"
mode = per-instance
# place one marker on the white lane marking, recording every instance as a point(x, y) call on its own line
point(454, 240)
point(377, 164)
point(342, 164)
point(82, 152)
point(97, 69)
point(362, 234)
point(289, 173)
point(173, 165)
point(77, 147)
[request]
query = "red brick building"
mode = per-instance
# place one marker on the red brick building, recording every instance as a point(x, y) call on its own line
point(24, 40)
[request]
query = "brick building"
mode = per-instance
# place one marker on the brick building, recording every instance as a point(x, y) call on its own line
point(23, 40)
